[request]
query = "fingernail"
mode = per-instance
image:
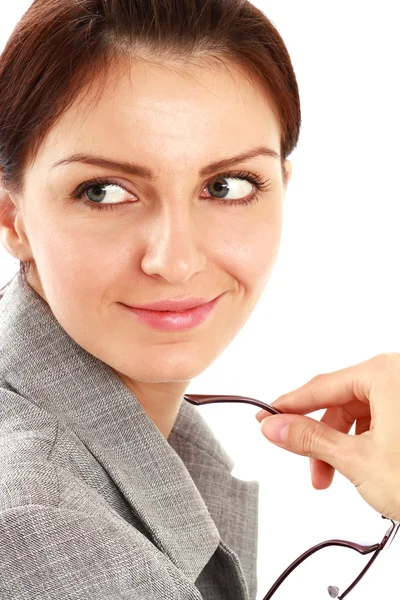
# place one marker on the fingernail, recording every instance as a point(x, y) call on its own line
point(275, 429)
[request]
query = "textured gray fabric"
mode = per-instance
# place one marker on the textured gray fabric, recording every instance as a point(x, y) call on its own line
point(94, 502)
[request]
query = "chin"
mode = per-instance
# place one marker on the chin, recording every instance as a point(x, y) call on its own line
point(162, 374)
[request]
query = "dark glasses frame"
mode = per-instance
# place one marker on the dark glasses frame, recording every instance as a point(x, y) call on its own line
point(333, 591)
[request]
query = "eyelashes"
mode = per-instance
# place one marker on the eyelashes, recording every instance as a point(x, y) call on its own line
point(261, 186)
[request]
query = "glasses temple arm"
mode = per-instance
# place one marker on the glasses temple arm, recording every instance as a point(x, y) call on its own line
point(200, 399)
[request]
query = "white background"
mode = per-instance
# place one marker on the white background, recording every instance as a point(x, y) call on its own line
point(333, 298)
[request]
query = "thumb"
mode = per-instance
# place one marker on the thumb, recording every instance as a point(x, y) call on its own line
point(307, 437)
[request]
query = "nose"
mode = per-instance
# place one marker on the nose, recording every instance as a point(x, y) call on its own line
point(175, 245)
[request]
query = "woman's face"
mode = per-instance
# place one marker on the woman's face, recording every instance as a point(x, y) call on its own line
point(170, 237)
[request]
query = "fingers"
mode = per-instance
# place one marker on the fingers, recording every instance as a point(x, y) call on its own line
point(261, 415)
point(322, 473)
point(328, 389)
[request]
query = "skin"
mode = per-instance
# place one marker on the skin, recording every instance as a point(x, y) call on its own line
point(367, 395)
point(175, 242)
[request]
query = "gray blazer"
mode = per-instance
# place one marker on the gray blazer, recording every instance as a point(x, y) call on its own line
point(95, 503)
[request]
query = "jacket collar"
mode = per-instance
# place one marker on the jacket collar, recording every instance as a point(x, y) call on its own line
point(41, 362)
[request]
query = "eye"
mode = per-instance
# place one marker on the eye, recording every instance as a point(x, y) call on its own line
point(246, 188)
point(92, 193)
point(98, 193)
point(243, 182)
point(236, 187)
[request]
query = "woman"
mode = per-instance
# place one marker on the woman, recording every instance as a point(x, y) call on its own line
point(143, 150)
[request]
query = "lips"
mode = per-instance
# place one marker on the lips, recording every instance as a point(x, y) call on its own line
point(174, 320)
point(174, 305)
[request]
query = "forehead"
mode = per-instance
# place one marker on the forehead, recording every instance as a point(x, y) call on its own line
point(168, 109)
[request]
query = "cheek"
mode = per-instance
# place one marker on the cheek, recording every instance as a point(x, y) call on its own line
point(77, 267)
point(251, 255)
point(74, 257)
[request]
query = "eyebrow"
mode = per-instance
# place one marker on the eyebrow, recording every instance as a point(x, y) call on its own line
point(146, 173)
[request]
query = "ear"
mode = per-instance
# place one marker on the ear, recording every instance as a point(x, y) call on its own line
point(288, 174)
point(11, 236)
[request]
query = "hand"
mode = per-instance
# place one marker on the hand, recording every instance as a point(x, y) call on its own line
point(368, 394)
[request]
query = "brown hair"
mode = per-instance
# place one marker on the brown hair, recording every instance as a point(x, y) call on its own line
point(59, 47)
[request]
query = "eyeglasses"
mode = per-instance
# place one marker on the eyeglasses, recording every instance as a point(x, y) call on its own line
point(333, 591)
